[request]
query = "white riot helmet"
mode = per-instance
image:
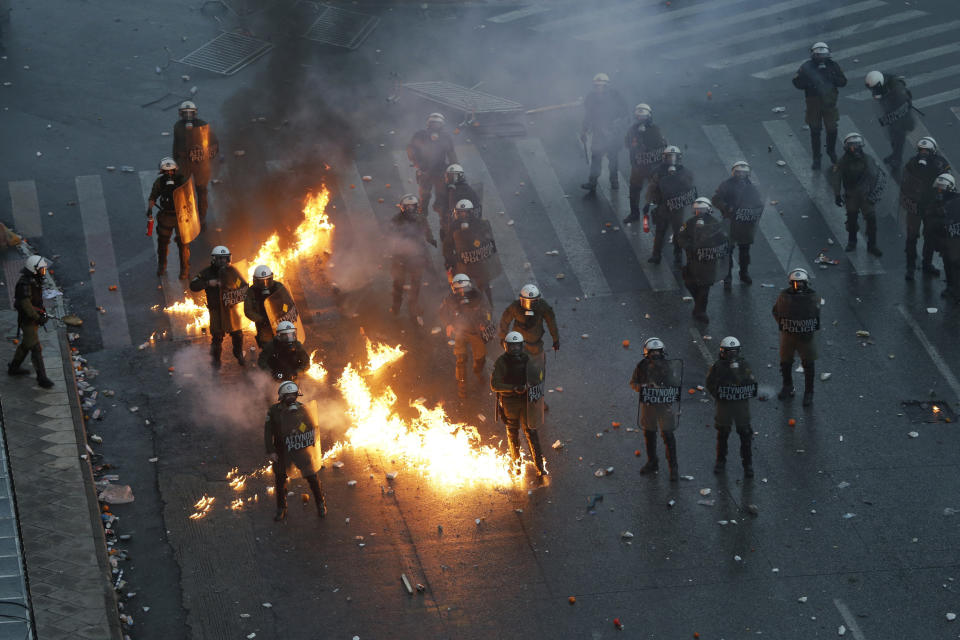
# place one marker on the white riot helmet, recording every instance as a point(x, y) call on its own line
point(729, 346)
point(288, 392)
point(945, 182)
point(461, 284)
point(926, 146)
point(188, 110)
point(643, 112)
point(513, 343)
point(463, 209)
point(454, 174)
point(262, 277)
point(672, 156)
point(853, 142)
point(875, 82)
point(529, 294)
point(409, 204)
point(740, 169)
point(287, 331)
point(601, 80)
point(168, 164)
point(36, 265)
point(652, 347)
point(819, 52)
point(702, 206)
point(220, 256)
point(435, 121)
point(799, 278)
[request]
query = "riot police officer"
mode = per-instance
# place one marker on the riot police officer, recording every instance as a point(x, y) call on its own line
point(731, 382)
point(741, 205)
point(671, 191)
point(475, 250)
point(658, 383)
point(797, 312)
point(290, 438)
point(254, 307)
point(895, 104)
point(457, 189)
point(603, 107)
point(468, 320)
point(518, 383)
point(819, 78)
point(915, 186)
point(284, 356)
point(31, 315)
point(411, 234)
point(704, 240)
point(527, 316)
point(858, 183)
point(942, 221)
point(431, 152)
point(194, 148)
point(645, 144)
point(225, 289)
point(161, 194)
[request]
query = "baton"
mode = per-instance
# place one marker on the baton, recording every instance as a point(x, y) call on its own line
point(918, 110)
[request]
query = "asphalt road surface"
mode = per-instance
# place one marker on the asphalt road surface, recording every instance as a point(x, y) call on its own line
point(852, 529)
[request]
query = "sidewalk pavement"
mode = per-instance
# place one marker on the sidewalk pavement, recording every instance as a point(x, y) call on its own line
point(67, 588)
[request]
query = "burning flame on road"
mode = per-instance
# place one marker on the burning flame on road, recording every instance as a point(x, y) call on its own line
point(316, 371)
point(380, 355)
point(202, 506)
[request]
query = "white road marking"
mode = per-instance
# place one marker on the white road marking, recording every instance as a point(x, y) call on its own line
point(518, 14)
point(632, 24)
point(937, 98)
point(26, 208)
point(932, 351)
point(114, 330)
point(819, 191)
point(902, 61)
point(578, 252)
point(913, 81)
point(701, 347)
point(596, 16)
point(852, 625)
point(788, 253)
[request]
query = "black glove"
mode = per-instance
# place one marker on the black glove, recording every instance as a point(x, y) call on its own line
point(646, 208)
point(838, 200)
point(556, 346)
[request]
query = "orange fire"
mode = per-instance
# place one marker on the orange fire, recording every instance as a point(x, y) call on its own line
point(202, 506)
point(316, 370)
point(380, 355)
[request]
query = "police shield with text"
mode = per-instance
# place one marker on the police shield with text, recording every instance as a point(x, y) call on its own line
point(797, 312)
point(475, 248)
point(741, 205)
point(457, 189)
point(818, 78)
point(161, 196)
point(916, 187)
point(284, 356)
point(226, 290)
point(658, 381)
point(645, 144)
point(706, 244)
point(949, 203)
point(264, 288)
point(518, 383)
point(194, 148)
point(31, 315)
point(291, 440)
point(731, 382)
point(670, 191)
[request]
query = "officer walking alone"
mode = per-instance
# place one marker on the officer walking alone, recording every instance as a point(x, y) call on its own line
point(819, 78)
point(731, 382)
point(603, 107)
point(31, 315)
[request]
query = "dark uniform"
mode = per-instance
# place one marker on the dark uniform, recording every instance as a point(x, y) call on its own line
point(704, 240)
point(950, 245)
point(162, 195)
point(284, 360)
point(896, 115)
point(672, 192)
point(732, 384)
point(916, 186)
point(657, 380)
point(518, 383)
point(529, 324)
point(31, 315)
point(858, 183)
point(290, 433)
point(254, 310)
point(741, 205)
point(223, 303)
point(476, 253)
point(819, 82)
point(411, 234)
point(797, 313)
point(645, 144)
point(431, 152)
point(603, 110)
point(455, 193)
point(470, 323)
point(194, 148)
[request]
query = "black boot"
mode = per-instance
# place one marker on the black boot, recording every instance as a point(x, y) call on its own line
point(832, 145)
point(670, 451)
point(237, 340)
point(161, 266)
point(460, 372)
point(38, 366)
point(478, 366)
point(746, 453)
point(809, 374)
point(533, 441)
point(216, 348)
point(280, 488)
point(650, 440)
point(815, 148)
point(14, 368)
point(317, 488)
point(786, 371)
point(397, 299)
point(744, 260)
point(851, 241)
point(513, 445)
point(721, 463)
point(590, 185)
point(929, 270)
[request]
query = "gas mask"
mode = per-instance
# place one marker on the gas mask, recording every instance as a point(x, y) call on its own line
point(170, 181)
point(527, 305)
point(515, 350)
point(290, 401)
point(922, 161)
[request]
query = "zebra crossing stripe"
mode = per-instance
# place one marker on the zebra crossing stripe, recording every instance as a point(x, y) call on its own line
point(633, 23)
point(937, 98)
point(902, 61)
point(114, 331)
point(684, 34)
point(913, 81)
point(710, 46)
point(601, 16)
point(516, 265)
point(901, 38)
point(659, 276)
point(771, 225)
point(26, 208)
point(357, 201)
point(518, 14)
point(819, 191)
point(578, 252)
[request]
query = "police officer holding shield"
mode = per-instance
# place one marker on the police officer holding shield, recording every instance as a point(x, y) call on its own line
point(254, 307)
point(194, 148)
point(704, 240)
point(225, 289)
point(658, 381)
point(284, 356)
point(731, 382)
point(162, 196)
point(671, 191)
point(797, 312)
point(741, 204)
point(518, 383)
